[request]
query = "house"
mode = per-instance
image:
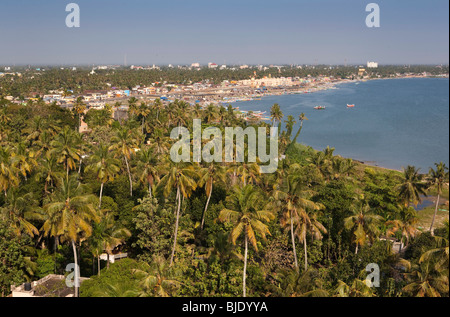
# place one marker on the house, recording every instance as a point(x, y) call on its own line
point(50, 286)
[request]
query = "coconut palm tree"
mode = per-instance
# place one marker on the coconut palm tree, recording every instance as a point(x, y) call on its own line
point(276, 114)
point(158, 279)
point(208, 176)
point(123, 145)
point(108, 234)
point(245, 214)
point(20, 211)
point(438, 177)
point(69, 215)
point(406, 225)
point(149, 171)
point(424, 281)
point(78, 110)
point(104, 166)
point(64, 149)
point(293, 195)
point(184, 179)
point(363, 223)
point(8, 172)
point(412, 186)
point(48, 170)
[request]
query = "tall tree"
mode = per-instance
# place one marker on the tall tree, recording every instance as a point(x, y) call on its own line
point(438, 177)
point(184, 179)
point(124, 144)
point(69, 215)
point(104, 166)
point(412, 186)
point(244, 212)
point(208, 176)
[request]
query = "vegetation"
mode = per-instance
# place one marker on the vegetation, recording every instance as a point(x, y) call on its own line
point(205, 229)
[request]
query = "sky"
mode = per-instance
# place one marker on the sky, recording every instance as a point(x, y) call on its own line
point(225, 32)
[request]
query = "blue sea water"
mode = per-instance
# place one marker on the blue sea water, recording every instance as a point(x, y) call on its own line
point(395, 122)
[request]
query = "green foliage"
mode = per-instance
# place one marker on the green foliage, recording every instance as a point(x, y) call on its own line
point(117, 281)
point(13, 262)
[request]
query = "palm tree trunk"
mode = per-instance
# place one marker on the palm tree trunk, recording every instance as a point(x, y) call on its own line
point(206, 207)
point(434, 216)
point(98, 264)
point(306, 253)
point(176, 225)
point(356, 250)
point(129, 175)
point(293, 243)
point(101, 193)
point(77, 274)
point(245, 267)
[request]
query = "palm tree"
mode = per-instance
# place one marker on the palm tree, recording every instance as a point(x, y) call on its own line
point(20, 210)
point(158, 279)
point(208, 176)
point(412, 186)
point(69, 214)
point(124, 144)
point(109, 234)
point(307, 222)
point(78, 109)
point(104, 166)
point(247, 218)
point(363, 223)
point(423, 281)
point(211, 113)
point(276, 114)
point(249, 172)
point(24, 159)
point(290, 122)
point(48, 170)
point(8, 172)
point(407, 225)
point(64, 149)
point(158, 106)
point(295, 203)
point(149, 171)
point(184, 180)
point(438, 177)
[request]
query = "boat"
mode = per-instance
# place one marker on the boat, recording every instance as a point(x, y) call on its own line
point(350, 106)
point(320, 108)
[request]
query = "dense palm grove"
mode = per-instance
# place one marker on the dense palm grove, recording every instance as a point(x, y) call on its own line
point(204, 229)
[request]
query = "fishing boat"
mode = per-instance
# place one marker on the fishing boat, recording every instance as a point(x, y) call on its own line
point(350, 106)
point(320, 108)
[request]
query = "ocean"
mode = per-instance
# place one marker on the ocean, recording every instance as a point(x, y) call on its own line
point(395, 122)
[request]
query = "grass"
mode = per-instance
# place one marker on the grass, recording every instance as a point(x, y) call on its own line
point(426, 216)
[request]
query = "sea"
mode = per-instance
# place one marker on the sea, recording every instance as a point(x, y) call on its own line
point(395, 122)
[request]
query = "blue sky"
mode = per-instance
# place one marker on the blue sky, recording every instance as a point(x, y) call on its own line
point(231, 32)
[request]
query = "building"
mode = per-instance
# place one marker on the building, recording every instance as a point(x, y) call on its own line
point(372, 65)
point(50, 286)
point(212, 65)
point(195, 65)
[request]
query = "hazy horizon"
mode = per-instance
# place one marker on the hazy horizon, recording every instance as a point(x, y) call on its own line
point(323, 32)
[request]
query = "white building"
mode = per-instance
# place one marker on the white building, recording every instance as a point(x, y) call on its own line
point(372, 65)
point(195, 65)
